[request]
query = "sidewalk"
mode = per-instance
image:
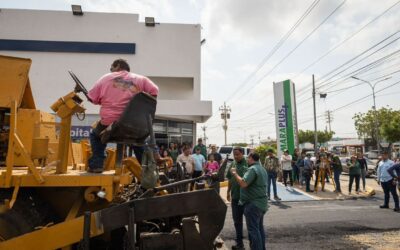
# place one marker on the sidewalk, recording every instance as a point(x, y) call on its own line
point(371, 188)
point(298, 193)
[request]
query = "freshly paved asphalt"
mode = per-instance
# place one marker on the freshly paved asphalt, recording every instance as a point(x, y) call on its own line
point(319, 224)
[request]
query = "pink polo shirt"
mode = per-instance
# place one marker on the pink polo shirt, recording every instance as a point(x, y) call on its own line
point(114, 90)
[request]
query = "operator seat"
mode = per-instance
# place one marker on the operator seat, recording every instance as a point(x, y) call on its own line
point(132, 129)
point(134, 125)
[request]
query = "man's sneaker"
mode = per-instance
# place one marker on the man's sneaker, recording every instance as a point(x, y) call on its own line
point(396, 210)
point(277, 198)
point(238, 248)
point(383, 206)
point(95, 170)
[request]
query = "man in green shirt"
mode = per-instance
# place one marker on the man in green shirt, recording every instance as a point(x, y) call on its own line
point(233, 194)
point(203, 148)
point(254, 199)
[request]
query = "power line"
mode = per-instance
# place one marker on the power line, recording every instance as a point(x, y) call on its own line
point(347, 39)
point(276, 47)
point(357, 71)
point(297, 46)
point(354, 58)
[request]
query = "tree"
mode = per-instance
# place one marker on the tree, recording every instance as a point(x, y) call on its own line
point(391, 130)
point(308, 136)
point(262, 151)
point(240, 144)
point(366, 123)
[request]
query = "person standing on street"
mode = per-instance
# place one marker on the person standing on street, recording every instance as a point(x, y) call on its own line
point(363, 167)
point(233, 194)
point(308, 172)
point(202, 147)
point(395, 168)
point(300, 165)
point(295, 168)
point(271, 164)
point(286, 161)
point(387, 181)
point(337, 171)
point(354, 173)
point(173, 152)
point(320, 174)
point(254, 200)
point(217, 156)
point(199, 163)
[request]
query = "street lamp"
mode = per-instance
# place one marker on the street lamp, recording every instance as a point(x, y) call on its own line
point(374, 107)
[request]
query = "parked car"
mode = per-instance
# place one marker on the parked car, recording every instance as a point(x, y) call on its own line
point(228, 150)
point(373, 154)
point(370, 164)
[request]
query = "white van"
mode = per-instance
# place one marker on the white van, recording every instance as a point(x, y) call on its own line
point(228, 150)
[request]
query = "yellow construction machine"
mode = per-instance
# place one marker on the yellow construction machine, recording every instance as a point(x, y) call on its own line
point(49, 201)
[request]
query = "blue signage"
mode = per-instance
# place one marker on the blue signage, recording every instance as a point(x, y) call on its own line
point(80, 132)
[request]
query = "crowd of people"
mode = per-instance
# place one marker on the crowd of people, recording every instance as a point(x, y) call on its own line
point(250, 181)
point(249, 184)
point(195, 160)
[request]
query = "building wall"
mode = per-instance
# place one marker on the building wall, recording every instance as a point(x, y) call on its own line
point(167, 53)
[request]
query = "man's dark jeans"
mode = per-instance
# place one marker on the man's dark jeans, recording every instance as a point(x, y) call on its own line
point(237, 215)
point(336, 177)
point(272, 180)
point(286, 174)
point(307, 178)
point(295, 173)
point(352, 177)
point(255, 226)
point(98, 155)
point(388, 188)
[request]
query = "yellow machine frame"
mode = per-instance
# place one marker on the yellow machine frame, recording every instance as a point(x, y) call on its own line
point(21, 170)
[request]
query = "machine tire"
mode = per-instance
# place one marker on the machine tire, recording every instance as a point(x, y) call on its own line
point(27, 213)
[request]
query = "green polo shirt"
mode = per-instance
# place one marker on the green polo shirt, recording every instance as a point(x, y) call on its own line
point(241, 168)
point(255, 192)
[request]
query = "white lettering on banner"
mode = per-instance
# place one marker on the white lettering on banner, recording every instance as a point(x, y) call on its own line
point(81, 131)
point(282, 127)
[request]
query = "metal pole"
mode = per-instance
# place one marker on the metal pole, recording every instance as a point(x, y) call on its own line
point(225, 123)
point(315, 117)
point(225, 110)
point(378, 146)
point(204, 134)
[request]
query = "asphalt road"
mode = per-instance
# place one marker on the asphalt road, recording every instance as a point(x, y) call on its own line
point(335, 224)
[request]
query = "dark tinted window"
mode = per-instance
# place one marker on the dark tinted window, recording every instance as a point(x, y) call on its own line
point(225, 150)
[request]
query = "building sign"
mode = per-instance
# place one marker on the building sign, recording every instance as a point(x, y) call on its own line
point(80, 132)
point(285, 116)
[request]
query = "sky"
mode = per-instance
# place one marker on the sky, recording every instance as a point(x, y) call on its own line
point(335, 40)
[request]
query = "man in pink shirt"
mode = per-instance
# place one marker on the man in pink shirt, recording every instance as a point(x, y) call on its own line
point(113, 91)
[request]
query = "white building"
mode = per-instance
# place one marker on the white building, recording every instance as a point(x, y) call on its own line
point(58, 41)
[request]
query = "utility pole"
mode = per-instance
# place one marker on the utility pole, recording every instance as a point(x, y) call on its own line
point(329, 119)
point(315, 117)
point(204, 134)
point(259, 138)
point(252, 141)
point(225, 115)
